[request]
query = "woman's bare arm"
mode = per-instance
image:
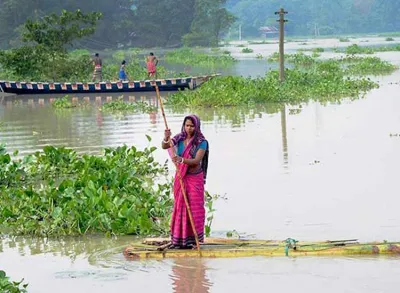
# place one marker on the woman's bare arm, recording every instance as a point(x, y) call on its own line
point(196, 161)
point(165, 145)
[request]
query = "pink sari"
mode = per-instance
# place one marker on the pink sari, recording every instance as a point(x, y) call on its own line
point(151, 67)
point(181, 229)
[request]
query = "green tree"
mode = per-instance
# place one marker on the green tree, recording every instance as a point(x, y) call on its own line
point(330, 16)
point(56, 32)
point(161, 23)
point(46, 42)
point(211, 20)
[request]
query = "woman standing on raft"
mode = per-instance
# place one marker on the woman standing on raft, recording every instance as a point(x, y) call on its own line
point(191, 149)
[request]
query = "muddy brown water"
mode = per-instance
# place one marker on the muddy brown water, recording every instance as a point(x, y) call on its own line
point(327, 172)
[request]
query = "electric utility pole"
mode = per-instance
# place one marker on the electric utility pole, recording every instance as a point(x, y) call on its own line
point(281, 21)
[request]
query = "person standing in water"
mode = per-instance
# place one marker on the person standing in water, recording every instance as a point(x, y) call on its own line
point(122, 72)
point(152, 62)
point(191, 149)
point(97, 73)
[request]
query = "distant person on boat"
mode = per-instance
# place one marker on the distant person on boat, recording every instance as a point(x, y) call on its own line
point(97, 72)
point(122, 72)
point(152, 62)
point(191, 149)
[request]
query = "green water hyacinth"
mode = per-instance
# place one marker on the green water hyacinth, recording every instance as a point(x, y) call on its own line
point(58, 192)
point(120, 105)
point(368, 65)
point(325, 83)
point(356, 49)
point(310, 79)
point(8, 286)
point(188, 56)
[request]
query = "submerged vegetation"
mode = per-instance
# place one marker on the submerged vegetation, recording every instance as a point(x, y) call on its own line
point(59, 192)
point(356, 49)
point(188, 56)
point(349, 65)
point(298, 87)
point(247, 50)
point(120, 105)
point(367, 65)
point(7, 286)
point(66, 103)
point(310, 79)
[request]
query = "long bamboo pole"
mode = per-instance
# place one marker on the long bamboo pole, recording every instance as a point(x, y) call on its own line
point(180, 177)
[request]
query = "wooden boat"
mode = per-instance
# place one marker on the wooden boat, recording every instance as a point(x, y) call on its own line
point(170, 84)
point(229, 248)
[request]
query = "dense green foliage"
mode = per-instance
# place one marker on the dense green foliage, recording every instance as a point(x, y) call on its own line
point(367, 65)
point(143, 23)
point(120, 105)
point(299, 87)
point(149, 23)
point(59, 192)
point(74, 66)
point(190, 57)
point(44, 52)
point(210, 19)
point(7, 286)
point(356, 49)
point(327, 16)
point(310, 79)
point(348, 65)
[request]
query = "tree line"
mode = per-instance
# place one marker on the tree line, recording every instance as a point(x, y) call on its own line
point(139, 23)
point(326, 17)
point(173, 23)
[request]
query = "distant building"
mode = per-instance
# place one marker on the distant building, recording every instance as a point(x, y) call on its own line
point(268, 31)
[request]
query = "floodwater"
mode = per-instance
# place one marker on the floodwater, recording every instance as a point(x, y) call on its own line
point(312, 173)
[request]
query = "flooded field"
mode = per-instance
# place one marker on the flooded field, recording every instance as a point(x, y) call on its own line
point(312, 173)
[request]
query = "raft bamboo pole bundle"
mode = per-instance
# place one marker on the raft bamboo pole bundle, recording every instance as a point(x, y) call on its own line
point(239, 248)
point(180, 177)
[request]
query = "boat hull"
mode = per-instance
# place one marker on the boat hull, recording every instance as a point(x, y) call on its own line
point(222, 248)
point(172, 84)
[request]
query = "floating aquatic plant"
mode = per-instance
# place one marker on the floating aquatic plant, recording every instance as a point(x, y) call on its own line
point(190, 57)
point(322, 82)
point(8, 286)
point(58, 192)
point(120, 105)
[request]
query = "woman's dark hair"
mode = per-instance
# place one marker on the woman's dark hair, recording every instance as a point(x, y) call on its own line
point(151, 54)
point(123, 62)
point(97, 54)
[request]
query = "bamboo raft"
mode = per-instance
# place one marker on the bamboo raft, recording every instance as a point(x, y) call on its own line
point(156, 248)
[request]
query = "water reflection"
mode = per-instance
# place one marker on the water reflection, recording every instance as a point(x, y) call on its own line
point(236, 117)
point(284, 139)
point(190, 275)
point(93, 247)
point(30, 122)
point(36, 101)
point(248, 67)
